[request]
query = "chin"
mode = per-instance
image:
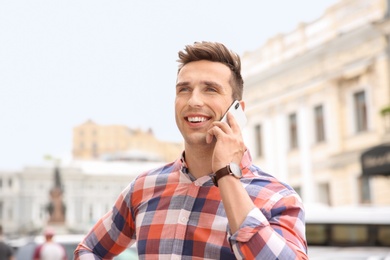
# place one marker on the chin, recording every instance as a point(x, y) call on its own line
point(196, 139)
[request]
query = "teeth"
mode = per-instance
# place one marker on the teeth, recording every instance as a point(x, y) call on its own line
point(196, 119)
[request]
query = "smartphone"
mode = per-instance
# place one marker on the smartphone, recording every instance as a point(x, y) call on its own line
point(238, 113)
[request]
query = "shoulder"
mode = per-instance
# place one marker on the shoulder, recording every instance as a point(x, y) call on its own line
point(266, 186)
point(162, 169)
point(157, 175)
point(256, 178)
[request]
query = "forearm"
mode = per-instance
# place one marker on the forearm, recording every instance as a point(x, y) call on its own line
point(236, 201)
point(263, 241)
point(110, 235)
point(281, 235)
point(82, 252)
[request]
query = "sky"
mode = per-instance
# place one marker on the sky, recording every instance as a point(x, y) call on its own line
point(113, 62)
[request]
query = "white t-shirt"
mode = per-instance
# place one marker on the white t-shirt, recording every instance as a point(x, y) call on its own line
point(51, 251)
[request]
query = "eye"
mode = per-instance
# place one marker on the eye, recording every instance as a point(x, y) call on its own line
point(182, 89)
point(211, 89)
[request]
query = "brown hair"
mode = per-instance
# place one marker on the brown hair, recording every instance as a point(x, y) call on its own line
point(216, 52)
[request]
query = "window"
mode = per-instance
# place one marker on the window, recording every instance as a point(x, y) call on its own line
point(258, 140)
point(349, 234)
point(364, 184)
point(319, 124)
point(384, 235)
point(298, 190)
point(359, 99)
point(293, 131)
point(317, 234)
point(324, 193)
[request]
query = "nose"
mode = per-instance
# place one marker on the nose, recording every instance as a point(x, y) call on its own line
point(195, 99)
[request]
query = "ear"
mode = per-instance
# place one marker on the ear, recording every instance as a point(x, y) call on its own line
point(242, 103)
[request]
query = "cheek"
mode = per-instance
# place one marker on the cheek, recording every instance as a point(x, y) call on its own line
point(222, 109)
point(177, 105)
point(180, 102)
point(178, 108)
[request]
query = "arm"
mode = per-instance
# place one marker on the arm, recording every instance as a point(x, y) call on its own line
point(111, 234)
point(274, 229)
point(281, 235)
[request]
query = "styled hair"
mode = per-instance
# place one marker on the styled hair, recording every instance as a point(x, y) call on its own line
point(216, 52)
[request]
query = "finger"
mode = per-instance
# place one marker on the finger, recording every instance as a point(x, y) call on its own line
point(209, 137)
point(232, 122)
point(224, 126)
point(216, 131)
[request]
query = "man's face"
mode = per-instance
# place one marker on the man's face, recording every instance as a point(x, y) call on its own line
point(203, 94)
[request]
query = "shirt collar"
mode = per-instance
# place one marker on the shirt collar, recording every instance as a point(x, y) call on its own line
point(245, 162)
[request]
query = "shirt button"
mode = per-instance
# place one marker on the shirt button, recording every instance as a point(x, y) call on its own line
point(197, 183)
point(183, 220)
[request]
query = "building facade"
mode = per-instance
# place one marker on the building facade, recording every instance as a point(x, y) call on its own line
point(89, 190)
point(94, 141)
point(105, 160)
point(313, 101)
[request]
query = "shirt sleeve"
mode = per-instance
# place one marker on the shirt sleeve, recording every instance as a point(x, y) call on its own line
point(112, 234)
point(274, 233)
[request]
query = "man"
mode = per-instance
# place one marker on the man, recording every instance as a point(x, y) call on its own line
point(198, 207)
point(6, 251)
point(50, 250)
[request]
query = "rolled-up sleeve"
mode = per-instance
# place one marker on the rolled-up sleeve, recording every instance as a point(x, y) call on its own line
point(274, 232)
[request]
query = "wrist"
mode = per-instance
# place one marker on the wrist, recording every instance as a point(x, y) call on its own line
point(232, 169)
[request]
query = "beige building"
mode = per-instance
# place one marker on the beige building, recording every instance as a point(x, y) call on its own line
point(118, 142)
point(314, 98)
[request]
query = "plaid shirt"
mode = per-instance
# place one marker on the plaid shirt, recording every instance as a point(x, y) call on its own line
point(172, 215)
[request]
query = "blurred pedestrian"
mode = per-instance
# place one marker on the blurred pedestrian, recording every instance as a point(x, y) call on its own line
point(50, 250)
point(6, 251)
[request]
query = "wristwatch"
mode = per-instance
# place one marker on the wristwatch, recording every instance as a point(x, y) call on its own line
point(230, 169)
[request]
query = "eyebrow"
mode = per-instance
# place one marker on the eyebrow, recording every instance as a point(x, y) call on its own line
point(181, 84)
point(204, 82)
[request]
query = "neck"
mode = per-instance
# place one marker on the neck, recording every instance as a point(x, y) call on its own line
point(199, 159)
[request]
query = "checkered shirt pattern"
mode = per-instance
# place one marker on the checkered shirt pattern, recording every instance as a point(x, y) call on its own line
point(171, 215)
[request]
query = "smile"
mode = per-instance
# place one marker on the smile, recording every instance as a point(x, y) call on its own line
point(197, 119)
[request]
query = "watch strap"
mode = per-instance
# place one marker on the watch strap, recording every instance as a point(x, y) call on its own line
point(221, 173)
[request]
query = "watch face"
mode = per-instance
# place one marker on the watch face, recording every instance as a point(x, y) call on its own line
point(235, 170)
